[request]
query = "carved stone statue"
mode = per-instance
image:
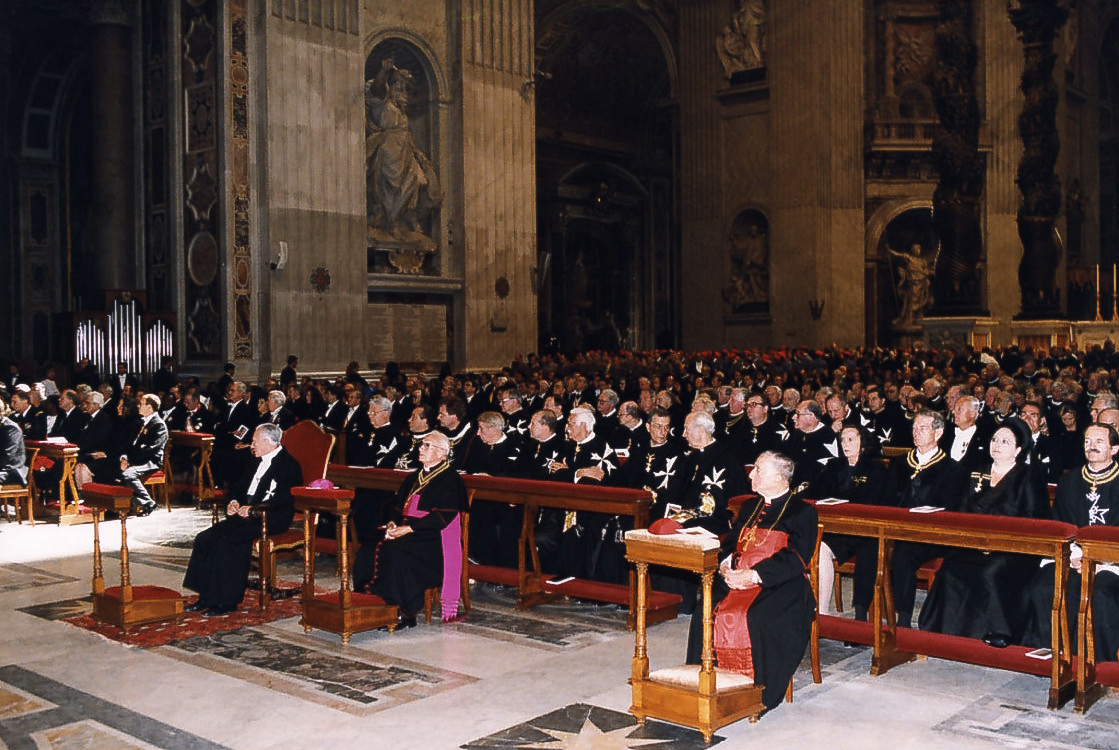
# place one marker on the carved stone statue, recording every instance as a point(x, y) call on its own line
point(914, 278)
point(401, 182)
point(741, 46)
point(749, 266)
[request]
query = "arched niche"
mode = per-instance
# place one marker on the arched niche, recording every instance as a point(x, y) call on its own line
point(746, 287)
point(902, 241)
point(404, 191)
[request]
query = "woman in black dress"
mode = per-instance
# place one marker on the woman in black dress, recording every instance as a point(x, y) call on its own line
point(859, 477)
point(978, 594)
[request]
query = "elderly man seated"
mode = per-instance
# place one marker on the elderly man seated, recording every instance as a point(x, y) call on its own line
point(219, 563)
point(764, 615)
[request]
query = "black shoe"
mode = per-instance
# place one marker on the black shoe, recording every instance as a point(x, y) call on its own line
point(198, 606)
point(144, 510)
point(218, 611)
point(406, 622)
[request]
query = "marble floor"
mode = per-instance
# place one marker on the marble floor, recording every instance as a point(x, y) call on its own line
point(554, 677)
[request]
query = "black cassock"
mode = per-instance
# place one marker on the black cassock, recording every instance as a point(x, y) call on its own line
point(780, 618)
point(220, 560)
point(1083, 499)
point(400, 570)
point(976, 593)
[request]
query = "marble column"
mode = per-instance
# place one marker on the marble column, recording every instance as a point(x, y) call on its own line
point(112, 143)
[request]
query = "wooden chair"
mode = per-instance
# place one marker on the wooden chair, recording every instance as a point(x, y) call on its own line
point(17, 493)
point(814, 639)
point(431, 595)
point(310, 446)
point(156, 482)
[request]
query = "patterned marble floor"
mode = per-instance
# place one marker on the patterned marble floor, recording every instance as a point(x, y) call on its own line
point(552, 677)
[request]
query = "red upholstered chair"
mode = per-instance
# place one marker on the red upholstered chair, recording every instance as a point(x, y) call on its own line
point(156, 482)
point(814, 639)
point(310, 446)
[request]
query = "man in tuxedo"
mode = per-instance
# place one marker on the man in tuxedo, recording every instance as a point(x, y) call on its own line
point(278, 412)
point(71, 419)
point(122, 379)
point(219, 563)
point(232, 435)
point(31, 420)
point(145, 455)
point(334, 418)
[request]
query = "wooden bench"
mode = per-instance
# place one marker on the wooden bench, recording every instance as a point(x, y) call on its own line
point(1101, 546)
point(894, 645)
point(532, 583)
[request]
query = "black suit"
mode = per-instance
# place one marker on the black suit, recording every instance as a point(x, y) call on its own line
point(145, 456)
point(118, 387)
point(70, 424)
point(13, 457)
point(219, 563)
point(32, 423)
point(231, 453)
point(334, 417)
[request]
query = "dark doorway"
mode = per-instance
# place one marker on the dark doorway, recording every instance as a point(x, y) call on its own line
point(605, 163)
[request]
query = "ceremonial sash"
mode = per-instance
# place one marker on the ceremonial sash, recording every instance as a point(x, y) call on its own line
point(451, 537)
point(732, 636)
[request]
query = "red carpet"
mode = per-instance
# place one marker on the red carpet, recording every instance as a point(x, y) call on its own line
point(193, 623)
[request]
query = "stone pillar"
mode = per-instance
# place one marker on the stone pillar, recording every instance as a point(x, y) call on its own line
point(499, 180)
point(817, 243)
point(112, 144)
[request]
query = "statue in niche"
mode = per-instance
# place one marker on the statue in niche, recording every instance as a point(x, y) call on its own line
point(741, 46)
point(401, 182)
point(749, 265)
point(914, 277)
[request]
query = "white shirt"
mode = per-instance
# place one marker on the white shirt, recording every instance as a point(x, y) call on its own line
point(960, 443)
point(265, 462)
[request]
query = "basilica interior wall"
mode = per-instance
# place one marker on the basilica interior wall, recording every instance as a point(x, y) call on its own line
point(315, 192)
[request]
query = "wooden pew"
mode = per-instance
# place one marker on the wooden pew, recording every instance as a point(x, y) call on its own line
point(1101, 546)
point(894, 645)
point(530, 580)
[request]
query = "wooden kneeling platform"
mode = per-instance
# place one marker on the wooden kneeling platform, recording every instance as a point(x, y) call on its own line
point(126, 605)
point(343, 611)
point(699, 697)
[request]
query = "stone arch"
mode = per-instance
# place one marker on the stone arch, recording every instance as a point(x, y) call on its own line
point(880, 294)
point(572, 13)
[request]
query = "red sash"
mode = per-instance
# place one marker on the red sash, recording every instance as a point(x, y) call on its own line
point(732, 637)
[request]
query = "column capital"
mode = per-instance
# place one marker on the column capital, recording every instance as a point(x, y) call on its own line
point(112, 12)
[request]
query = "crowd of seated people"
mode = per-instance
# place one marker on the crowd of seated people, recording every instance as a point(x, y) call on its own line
point(975, 431)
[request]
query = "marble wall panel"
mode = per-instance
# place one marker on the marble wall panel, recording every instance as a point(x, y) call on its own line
point(316, 191)
point(499, 180)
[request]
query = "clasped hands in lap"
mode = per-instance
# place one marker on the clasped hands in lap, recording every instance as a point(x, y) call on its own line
point(739, 578)
point(392, 531)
